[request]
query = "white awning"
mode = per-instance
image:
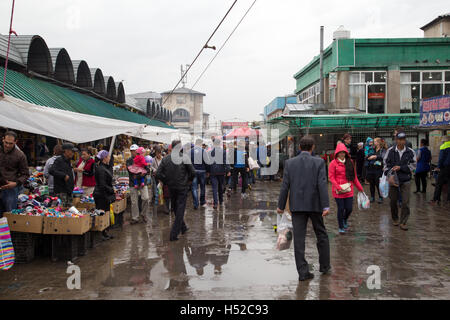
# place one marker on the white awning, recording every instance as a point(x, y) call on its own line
point(20, 115)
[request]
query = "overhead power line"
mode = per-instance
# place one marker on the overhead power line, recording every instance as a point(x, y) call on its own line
point(226, 41)
point(206, 46)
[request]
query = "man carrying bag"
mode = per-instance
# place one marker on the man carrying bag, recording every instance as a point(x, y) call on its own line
point(305, 182)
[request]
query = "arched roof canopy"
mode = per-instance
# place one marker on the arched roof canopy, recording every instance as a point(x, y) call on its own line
point(149, 108)
point(158, 112)
point(120, 90)
point(62, 65)
point(82, 74)
point(98, 81)
point(111, 92)
point(153, 109)
point(35, 53)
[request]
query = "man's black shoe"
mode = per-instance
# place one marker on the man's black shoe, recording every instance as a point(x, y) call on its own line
point(172, 239)
point(326, 271)
point(184, 231)
point(309, 276)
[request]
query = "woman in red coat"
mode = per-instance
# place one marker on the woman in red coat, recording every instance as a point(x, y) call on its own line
point(84, 173)
point(342, 175)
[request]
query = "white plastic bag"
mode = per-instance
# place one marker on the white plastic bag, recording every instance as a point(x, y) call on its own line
point(284, 229)
point(253, 164)
point(384, 186)
point(363, 201)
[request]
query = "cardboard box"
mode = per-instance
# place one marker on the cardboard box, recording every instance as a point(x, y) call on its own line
point(100, 223)
point(120, 206)
point(86, 205)
point(67, 226)
point(22, 223)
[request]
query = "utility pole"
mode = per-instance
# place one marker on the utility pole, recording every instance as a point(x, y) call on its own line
point(322, 88)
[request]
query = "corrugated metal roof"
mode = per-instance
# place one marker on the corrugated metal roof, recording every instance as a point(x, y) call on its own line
point(82, 74)
point(43, 93)
point(111, 92)
point(14, 54)
point(34, 52)
point(98, 81)
point(62, 65)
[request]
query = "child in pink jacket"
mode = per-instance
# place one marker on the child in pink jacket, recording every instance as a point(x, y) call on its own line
point(138, 168)
point(342, 175)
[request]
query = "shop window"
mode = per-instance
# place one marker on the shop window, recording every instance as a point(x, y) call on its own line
point(447, 89)
point(368, 77)
point(380, 77)
point(447, 76)
point(358, 97)
point(355, 77)
point(432, 76)
point(410, 98)
point(431, 90)
point(415, 76)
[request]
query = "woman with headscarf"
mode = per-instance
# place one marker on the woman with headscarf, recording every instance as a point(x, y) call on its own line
point(104, 193)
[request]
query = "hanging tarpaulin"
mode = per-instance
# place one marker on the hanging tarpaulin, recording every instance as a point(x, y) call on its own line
point(71, 126)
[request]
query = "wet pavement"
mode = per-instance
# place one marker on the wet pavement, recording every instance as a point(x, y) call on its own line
point(230, 254)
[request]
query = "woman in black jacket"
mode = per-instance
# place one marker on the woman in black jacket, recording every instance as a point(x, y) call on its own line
point(104, 193)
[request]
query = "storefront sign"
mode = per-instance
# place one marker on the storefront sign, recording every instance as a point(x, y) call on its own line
point(377, 95)
point(435, 112)
point(333, 80)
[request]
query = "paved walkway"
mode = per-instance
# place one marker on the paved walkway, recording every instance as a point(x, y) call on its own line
point(230, 254)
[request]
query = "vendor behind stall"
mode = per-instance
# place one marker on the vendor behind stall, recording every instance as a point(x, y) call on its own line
point(13, 172)
point(84, 173)
point(57, 151)
point(63, 175)
point(104, 193)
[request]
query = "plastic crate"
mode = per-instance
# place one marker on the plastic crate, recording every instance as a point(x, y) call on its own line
point(24, 247)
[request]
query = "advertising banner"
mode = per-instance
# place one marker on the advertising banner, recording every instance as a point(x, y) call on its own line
point(435, 112)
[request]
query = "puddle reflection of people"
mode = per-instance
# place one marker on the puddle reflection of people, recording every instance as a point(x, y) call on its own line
point(197, 258)
point(219, 257)
point(174, 263)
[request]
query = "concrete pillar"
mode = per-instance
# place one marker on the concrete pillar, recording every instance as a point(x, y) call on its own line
point(342, 90)
point(393, 91)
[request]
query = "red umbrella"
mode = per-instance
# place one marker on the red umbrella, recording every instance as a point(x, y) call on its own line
point(243, 133)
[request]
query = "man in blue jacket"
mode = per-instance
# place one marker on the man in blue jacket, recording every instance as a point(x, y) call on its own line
point(199, 160)
point(444, 171)
point(240, 167)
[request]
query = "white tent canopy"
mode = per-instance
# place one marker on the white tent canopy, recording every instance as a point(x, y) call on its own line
point(71, 126)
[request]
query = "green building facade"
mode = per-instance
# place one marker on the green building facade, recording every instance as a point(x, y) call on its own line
point(378, 76)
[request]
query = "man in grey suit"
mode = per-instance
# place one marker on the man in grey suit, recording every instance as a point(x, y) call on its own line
point(305, 183)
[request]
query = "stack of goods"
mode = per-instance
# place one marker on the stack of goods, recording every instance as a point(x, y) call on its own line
point(37, 201)
point(87, 199)
point(35, 183)
point(49, 212)
point(121, 187)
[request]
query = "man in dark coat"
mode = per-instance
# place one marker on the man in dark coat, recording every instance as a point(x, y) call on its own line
point(177, 172)
point(305, 183)
point(63, 175)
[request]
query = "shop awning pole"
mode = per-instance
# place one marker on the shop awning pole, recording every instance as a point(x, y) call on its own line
point(111, 147)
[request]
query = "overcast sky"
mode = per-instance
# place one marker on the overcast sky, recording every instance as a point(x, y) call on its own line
point(144, 42)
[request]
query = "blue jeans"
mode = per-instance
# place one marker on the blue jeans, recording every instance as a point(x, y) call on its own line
point(8, 199)
point(217, 183)
point(345, 208)
point(200, 179)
